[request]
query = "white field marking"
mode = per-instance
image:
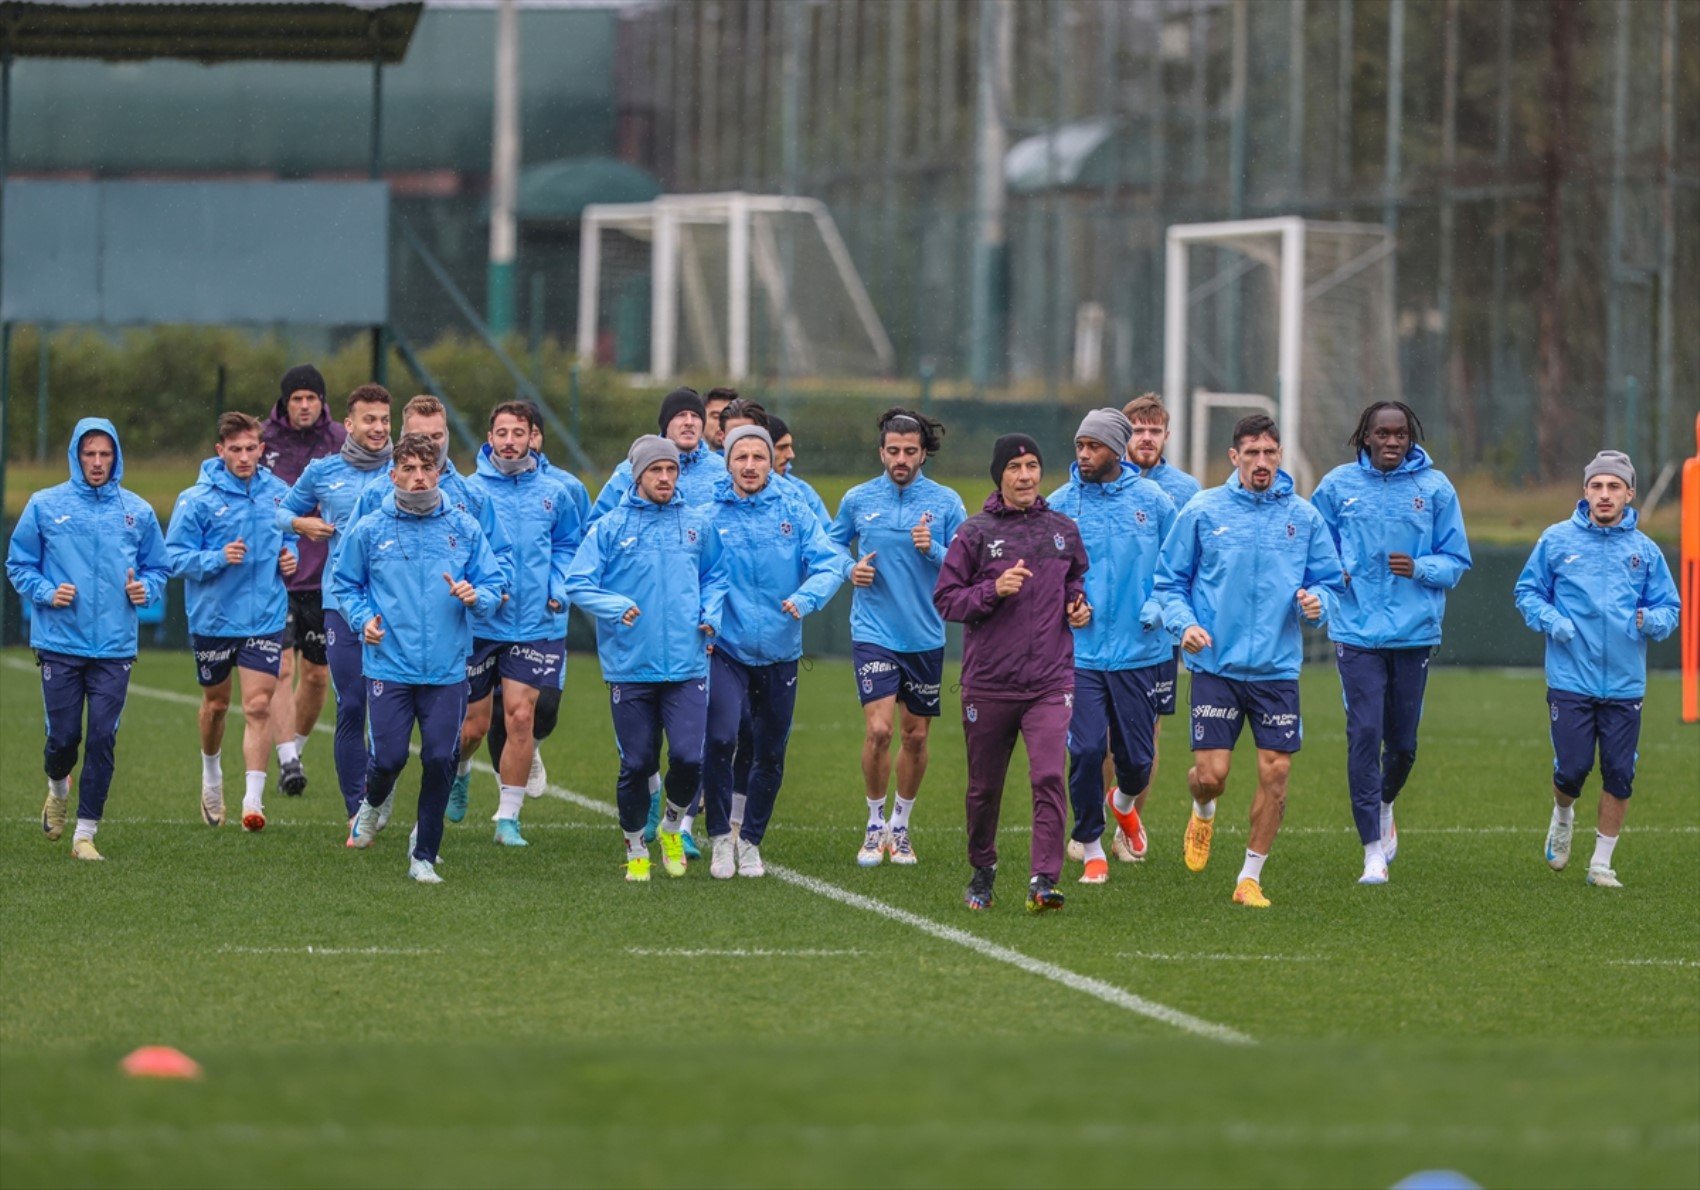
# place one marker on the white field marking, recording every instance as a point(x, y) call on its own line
point(1654, 962)
point(1152, 956)
point(739, 953)
point(326, 950)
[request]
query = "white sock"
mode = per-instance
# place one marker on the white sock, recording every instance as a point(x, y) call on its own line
point(634, 844)
point(211, 771)
point(59, 787)
point(686, 823)
point(654, 784)
point(672, 817)
point(253, 796)
point(1205, 810)
point(1603, 845)
point(1253, 869)
point(1095, 850)
point(1374, 856)
point(463, 768)
point(1124, 802)
point(300, 742)
point(876, 811)
point(512, 798)
point(1564, 815)
point(86, 828)
point(287, 751)
point(900, 812)
point(739, 801)
point(1386, 819)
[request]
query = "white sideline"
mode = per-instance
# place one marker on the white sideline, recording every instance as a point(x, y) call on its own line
point(1155, 957)
point(738, 953)
point(326, 950)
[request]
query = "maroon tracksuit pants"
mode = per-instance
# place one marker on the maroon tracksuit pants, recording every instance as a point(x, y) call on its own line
point(991, 726)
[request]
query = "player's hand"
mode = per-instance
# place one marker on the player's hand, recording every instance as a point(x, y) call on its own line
point(373, 633)
point(1195, 640)
point(235, 552)
point(138, 594)
point(1563, 630)
point(709, 629)
point(1079, 612)
point(1310, 604)
point(313, 528)
point(1402, 565)
point(1640, 617)
point(630, 618)
point(862, 574)
point(554, 605)
point(286, 562)
point(922, 533)
point(63, 594)
point(461, 589)
point(790, 609)
point(1009, 582)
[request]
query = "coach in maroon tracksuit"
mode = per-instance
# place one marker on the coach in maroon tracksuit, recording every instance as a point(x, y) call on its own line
point(1014, 576)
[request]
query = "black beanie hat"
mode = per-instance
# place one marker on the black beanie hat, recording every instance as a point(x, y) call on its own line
point(681, 400)
point(303, 376)
point(1012, 446)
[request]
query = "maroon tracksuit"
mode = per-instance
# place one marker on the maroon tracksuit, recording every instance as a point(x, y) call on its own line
point(287, 453)
point(1017, 665)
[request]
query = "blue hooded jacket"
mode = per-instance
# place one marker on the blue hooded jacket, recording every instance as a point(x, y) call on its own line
point(91, 538)
point(772, 548)
point(543, 517)
point(1180, 486)
point(391, 564)
point(1123, 524)
point(250, 599)
point(664, 560)
point(1370, 514)
point(1582, 587)
point(330, 489)
point(1233, 564)
point(897, 612)
point(699, 470)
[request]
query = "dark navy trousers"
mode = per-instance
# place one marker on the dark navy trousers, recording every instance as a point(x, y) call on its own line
point(1383, 689)
point(1114, 710)
point(438, 710)
point(344, 656)
point(765, 698)
point(69, 687)
point(643, 713)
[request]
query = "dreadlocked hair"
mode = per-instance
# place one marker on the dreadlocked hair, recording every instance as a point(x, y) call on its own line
point(1360, 436)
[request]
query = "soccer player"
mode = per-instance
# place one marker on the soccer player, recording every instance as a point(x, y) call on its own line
point(522, 643)
point(779, 567)
point(649, 573)
point(225, 540)
point(1015, 578)
point(682, 419)
point(713, 401)
point(903, 523)
point(1396, 523)
point(1119, 656)
point(300, 429)
point(411, 575)
point(1599, 590)
point(324, 500)
point(784, 455)
point(1245, 564)
point(85, 554)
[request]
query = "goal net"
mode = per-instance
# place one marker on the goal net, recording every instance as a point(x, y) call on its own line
point(728, 284)
point(1286, 314)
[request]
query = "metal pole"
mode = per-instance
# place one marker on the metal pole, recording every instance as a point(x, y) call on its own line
point(1053, 322)
point(374, 170)
point(504, 173)
point(1395, 130)
point(535, 332)
point(41, 369)
point(1667, 239)
point(791, 83)
point(996, 44)
point(1616, 431)
point(1448, 219)
point(896, 69)
point(1498, 371)
point(219, 390)
point(1295, 97)
point(1343, 100)
point(1228, 309)
point(5, 330)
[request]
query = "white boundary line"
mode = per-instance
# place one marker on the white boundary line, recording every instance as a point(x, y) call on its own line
point(738, 953)
point(1154, 957)
point(327, 950)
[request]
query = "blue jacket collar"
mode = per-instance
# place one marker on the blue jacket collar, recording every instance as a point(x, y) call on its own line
point(1416, 459)
point(726, 492)
point(1120, 483)
point(636, 499)
point(1279, 490)
point(1582, 520)
point(885, 481)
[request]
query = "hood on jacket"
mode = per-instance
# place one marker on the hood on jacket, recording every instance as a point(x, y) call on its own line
point(1281, 486)
point(1416, 459)
point(1581, 519)
point(85, 427)
point(214, 474)
point(726, 490)
point(1124, 477)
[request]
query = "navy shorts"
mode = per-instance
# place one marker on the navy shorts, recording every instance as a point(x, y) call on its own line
point(1579, 724)
point(305, 627)
point(215, 655)
point(541, 664)
point(1222, 706)
point(913, 678)
point(1165, 677)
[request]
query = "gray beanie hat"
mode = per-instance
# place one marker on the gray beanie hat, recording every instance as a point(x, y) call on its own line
point(1611, 462)
point(648, 450)
point(1109, 426)
point(738, 435)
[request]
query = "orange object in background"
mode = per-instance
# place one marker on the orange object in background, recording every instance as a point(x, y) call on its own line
point(1689, 561)
point(160, 1061)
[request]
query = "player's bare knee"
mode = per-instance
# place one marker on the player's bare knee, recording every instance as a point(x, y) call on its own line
point(915, 738)
point(879, 735)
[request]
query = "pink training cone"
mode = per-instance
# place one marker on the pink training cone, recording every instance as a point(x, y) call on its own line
point(160, 1061)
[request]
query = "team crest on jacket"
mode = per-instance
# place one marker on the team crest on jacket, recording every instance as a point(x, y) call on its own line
point(1061, 544)
point(1292, 530)
point(548, 504)
point(971, 713)
point(1417, 503)
point(129, 520)
point(1139, 515)
point(454, 542)
point(691, 536)
point(785, 528)
point(1634, 561)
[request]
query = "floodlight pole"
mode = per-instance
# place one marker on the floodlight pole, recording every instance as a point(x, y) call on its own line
point(374, 171)
point(504, 174)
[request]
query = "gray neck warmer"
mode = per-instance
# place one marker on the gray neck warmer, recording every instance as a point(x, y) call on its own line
point(362, 459)
point(419, 503)
point(512, 467)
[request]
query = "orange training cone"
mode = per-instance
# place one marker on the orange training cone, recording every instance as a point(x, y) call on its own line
point(160, 1061)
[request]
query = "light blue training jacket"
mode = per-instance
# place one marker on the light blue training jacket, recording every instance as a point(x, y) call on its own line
point(330, 488)
point(249, 599)
point(1233, 564)
point(392, 565)
point(543, 515)
point(1413, 510)
point(1123, 523)
point(1582, 586)
point(91, 538)
point(897, 612)
point(664, 560)
point(699, 470)
point(1180, 486)
point(772, 548)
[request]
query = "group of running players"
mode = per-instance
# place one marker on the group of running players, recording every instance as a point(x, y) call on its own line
point(323, 555)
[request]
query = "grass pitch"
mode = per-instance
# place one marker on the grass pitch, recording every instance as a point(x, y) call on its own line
point(535, 1021)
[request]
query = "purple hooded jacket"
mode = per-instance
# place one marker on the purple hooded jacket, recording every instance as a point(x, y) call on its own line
point(287, 451)
point(1020, 646)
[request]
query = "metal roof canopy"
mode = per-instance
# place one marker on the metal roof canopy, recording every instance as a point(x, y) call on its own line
point(235, 31)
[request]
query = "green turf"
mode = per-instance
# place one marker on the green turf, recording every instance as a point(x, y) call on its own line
point(1479, 1013)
